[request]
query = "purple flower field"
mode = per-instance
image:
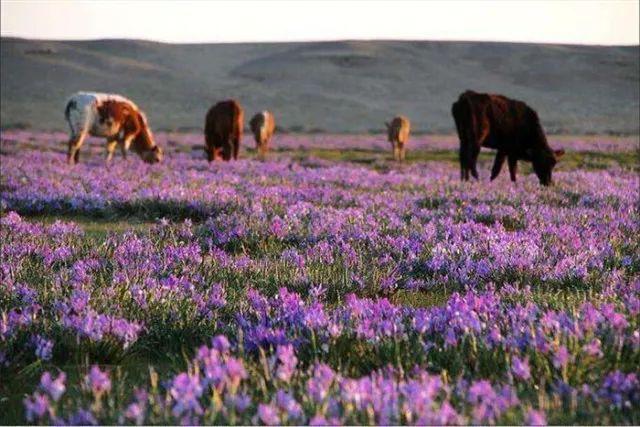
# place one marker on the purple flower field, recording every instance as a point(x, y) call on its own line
point(340, 142)
point(317, 289)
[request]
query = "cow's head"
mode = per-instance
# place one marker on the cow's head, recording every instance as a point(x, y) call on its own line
point(145, 144)
point(543, 164)
point(153, 155)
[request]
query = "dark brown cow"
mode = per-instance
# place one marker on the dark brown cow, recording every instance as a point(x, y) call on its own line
point(223, 130)
point(506, 125)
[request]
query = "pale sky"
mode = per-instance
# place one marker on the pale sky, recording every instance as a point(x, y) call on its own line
point(576, 22)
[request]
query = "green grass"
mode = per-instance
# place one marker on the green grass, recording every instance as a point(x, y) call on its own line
point(570, 161)
point(96, 228)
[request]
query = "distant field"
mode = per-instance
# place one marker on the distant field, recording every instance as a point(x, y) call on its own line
point(327, 285)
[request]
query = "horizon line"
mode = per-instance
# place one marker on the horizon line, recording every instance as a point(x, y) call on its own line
point(312, 40)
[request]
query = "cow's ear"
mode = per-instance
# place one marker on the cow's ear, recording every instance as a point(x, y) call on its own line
point(387, 125)
point(558, 153)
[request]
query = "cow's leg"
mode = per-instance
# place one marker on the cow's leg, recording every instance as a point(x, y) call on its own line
point(208, 146)
point(396, 151)
point(497, 164)
point(469, 150)
point(211, 154)
point(468, 158)
point(226, 151)
point(126, 145)
point(262, 152)
point(75, 142)
point(461, 153)
point(236, 147)
point(474, 161)
point(122, 141)
point(474, 150)
point(513, 167)
point(111, 148)
point(463, 163)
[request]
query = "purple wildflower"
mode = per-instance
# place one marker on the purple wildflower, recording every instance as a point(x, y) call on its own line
point(220, 343)
point(36, 407)
point(288, 361)
point(536, 418)
point(135, 412)
point(318, 385)
point(268, 414)
point(235, 371)
point(44, 347)
point(593, 348)
point(288, 404)
point(97, 380)
point(621, 390)
point(82, 417)
point(520, 368)
point(186, 391)
point(561, 357)
point(54, 388)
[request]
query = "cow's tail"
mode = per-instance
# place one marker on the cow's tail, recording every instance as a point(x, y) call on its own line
point(466, 127)
point(457, 113)
point(71, 105)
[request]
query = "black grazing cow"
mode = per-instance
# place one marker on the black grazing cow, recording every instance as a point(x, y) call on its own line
point(507, 125)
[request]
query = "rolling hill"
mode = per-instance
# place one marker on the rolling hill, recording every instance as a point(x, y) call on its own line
point(338, 87)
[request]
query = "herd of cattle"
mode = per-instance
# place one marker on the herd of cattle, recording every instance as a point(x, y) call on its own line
point(482, 120)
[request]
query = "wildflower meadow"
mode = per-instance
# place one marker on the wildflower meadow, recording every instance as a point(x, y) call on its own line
point(327, 285)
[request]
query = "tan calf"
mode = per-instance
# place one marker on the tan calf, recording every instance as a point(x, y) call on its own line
point(263, 125)
point(398, 135)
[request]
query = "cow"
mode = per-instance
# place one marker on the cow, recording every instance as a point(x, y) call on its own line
point(223, 130)
point(263, 125)
point(507, 125)
point(114, 117)
point(398, 135)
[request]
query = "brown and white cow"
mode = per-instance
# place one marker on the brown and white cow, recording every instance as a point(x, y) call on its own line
point(507, 125)
point(263, 125)
point(223, 130)
point(398, 135)
point(111, 116)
